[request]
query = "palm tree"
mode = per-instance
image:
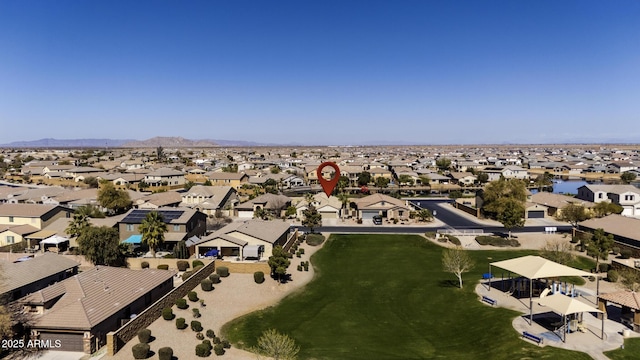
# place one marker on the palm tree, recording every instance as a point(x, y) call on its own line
point(309, 197)
point(152, 229)
point(79, 223)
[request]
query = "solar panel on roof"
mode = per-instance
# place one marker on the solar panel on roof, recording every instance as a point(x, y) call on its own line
point(136, 216)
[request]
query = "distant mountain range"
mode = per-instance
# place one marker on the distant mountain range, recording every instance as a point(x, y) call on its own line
point(168, 142)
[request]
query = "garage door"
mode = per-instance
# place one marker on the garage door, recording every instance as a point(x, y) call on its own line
point(368, 215)
point(68, 342)
point(329, 214)
point(535, 214)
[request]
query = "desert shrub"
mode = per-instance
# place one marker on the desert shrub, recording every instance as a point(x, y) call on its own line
point(298, 254)
point(165, 353)
point(211, 334)
point(315, 239)
point(196, 263)
point(193, 296)
point(144, 335)
point(430, 234)
point(612, 275)
point(167, 314)
point(218, 349)
point(216, 340)
point(592, 278)
point(181, 303)
point(359, 221)
point(301, 250)
point(202, 350)
point(226, 344)
point(199, 336)
point(207, 343)
point(215, 278)
point(454, 240)
point(186, 275)
point(625, 253)
point(258, 277)
point(196, 314)
point(182, 265)
point(299, 267)
point(615, 250)
point(164, 267)
point(196, 326)
point(206, 285)
point(144, 265)
point(195, 269)
point(140, 351)
point(603, 268)
point(496, 241)
point(306, 266)
point(181, 323)
point(223, 271)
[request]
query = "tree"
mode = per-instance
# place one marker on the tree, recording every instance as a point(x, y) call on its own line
point(424, 180)
point(443, 164)
point(312, 218)
point(557, 251)
point(276, 169)
point(343, 183)
point(605, 208)
point(573, 214)
point(180, 251)
point(344, 200)
point(279, 262)
point(364, 178)
point(91, 181)
point(277, 346)
point(101, 246)
point(627, 177)
point(79, 223)
point(630, 279)
point(382, 182)
point(115, 200)
point(456, 261)
point(511, 214)
point(424, 215)
point(160, 153)
point(599, 246)
point(482, 177)
point(188, 185)
point(152, 229)
point(405, 180)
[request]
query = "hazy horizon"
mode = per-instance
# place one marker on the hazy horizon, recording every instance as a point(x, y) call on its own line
point(322, 73)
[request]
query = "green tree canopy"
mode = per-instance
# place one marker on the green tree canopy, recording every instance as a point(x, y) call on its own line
point(424, 215)
point(343, 183)
point(605, 208)
point(115, 200)
point(498, 190)
point(152, 229)
point(573, 214)
point(405, 180)
point(443, 164)
point(364, 178)
point(627, 177)
point(382, 182)
point(276, 346)
point(482, 177)
point(510, 214)
point(101, 246)
point(279, 262)
point(599, 246)
point(312, 218)
point(79, 224)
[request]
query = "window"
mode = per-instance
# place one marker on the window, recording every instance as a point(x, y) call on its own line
point(10, 218)
point(176, 227)
point(10, 239)
point(629, 197)
point(129, 227)
point(600, 196)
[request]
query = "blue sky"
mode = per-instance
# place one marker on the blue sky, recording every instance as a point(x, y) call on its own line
point(321, 72)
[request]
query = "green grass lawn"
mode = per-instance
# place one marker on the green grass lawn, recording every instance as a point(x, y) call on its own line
point(631, 350)
point(386, 297)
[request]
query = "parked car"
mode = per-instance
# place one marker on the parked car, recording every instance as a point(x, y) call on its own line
point(377, 220)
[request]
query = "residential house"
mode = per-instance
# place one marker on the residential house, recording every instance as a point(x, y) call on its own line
point(382, 205)
point(619, 167)
point(182, 223)
point(328, 208)
point(625, 230)
point(210, 199)
point(82, 172)
point(165, 177)
point(33, 274)
point(235, 180)
point(81, 310)
point(38, 216)
point(550, 205)
point(158, 200)
point(11, 235)
point(627, 196)
point(463, 178)
point(272, 203)
point(253, 239)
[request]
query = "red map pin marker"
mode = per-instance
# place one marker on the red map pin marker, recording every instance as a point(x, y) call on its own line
point(328, 185)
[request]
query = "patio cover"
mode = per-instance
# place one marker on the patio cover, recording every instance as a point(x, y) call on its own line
point(133, 239)
point(54, 240)
point(192, 241)
point(566, 305)
point(536, 267)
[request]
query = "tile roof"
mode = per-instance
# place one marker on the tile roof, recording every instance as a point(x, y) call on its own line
point(16, 275)
point(19, 229)
point(625, 298)
point(615, 224)
point(25, 210)
point(268, 231)
point(94, 295)
point(558, 200)
point(270, 201)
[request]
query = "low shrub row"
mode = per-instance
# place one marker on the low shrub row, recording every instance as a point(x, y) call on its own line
point(496, 241)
